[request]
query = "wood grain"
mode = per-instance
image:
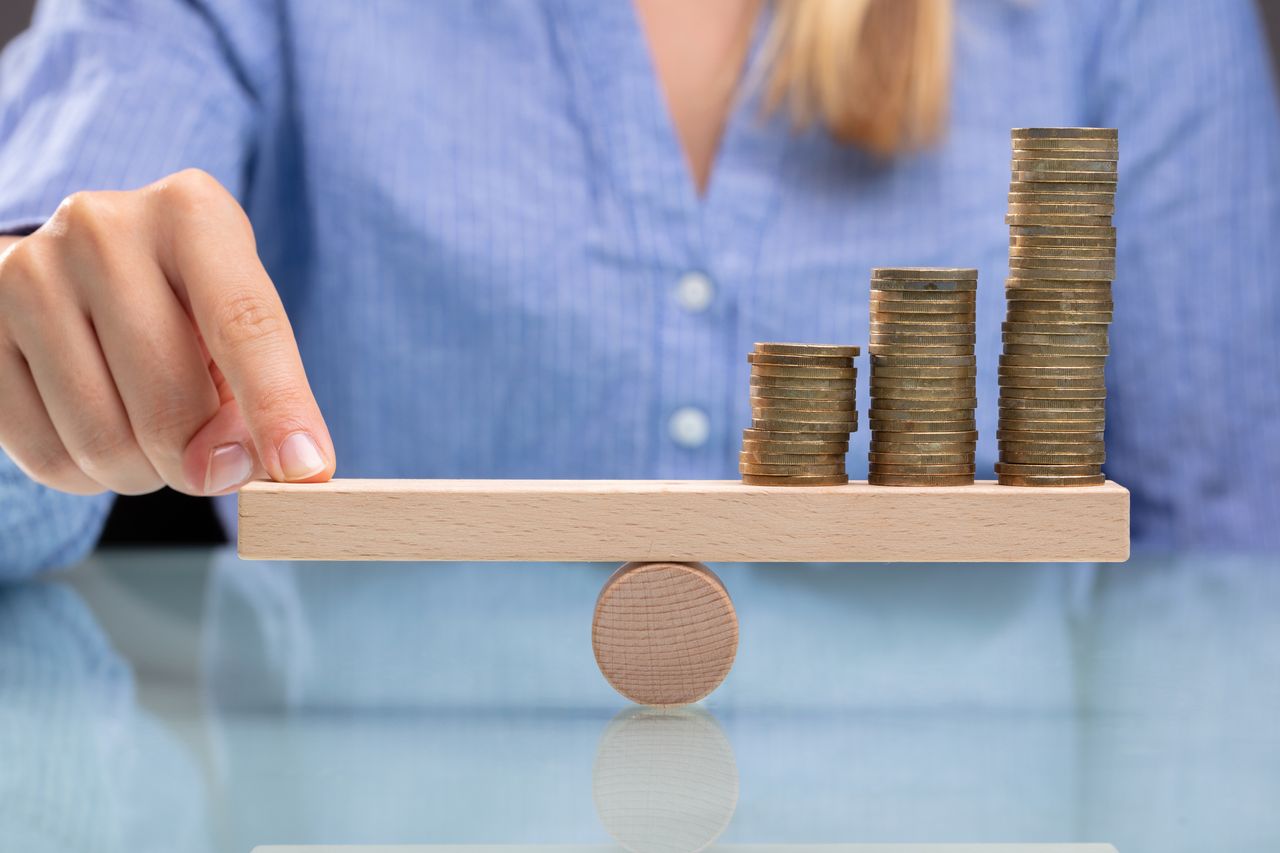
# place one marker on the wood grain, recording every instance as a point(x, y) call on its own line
point(679, 520)
point(664, 634)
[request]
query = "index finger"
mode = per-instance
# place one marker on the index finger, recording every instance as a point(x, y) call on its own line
point(210, 256)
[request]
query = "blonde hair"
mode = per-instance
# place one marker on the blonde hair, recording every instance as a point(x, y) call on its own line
point(875, 73)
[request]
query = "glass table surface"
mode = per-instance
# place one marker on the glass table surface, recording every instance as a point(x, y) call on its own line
point(191, 701)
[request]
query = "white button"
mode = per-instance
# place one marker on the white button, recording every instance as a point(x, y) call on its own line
point(689, 427)
point(694, 292)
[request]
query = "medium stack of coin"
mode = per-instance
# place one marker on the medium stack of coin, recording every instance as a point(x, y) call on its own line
point(1062, 255)
point(802, 412)
point(923, 386)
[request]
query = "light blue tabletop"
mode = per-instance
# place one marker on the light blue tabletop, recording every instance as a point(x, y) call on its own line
point(188, 701)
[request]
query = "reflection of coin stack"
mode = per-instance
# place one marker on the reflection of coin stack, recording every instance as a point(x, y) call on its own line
point(802, 411)
point(923, 386)
point(1061, 262)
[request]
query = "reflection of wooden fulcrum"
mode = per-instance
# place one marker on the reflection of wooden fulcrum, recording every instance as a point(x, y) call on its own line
point(665, 632)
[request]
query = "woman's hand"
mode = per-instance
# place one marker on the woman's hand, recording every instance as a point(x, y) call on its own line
point(142, 344)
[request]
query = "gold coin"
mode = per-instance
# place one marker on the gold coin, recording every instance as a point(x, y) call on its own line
point(917, 469)
point(798, 361)
point(1056, 340)
point(919, 382)
point(922, 425)
point(916, 325)
point(1039, 318)
point(1017, 480)
point(920, 479)
point(802, 405)
point(1053, 404)
point(904, 300)
point(1064, 152)
point(1110, 134)
point(1065, 327)
point(766, 480)
point(1048, 436)
point(1095, 232)
point(893, 458)
point(930, 439)
point(824, 395)
point(891, 404)
point(1062, 260)
point(1035, 185)
point(1057, 278)
point(1023, 219)
point(1102, 199)
point(1082, 451)
point(922, 338)
point(1099, 243)
point(964, 450)
point(942, 411)
point(1051, 349)
point(1105, 168)
point(1096, 143)
point(1049, 302)
point(826, 430)
point(824, 350)
point(1044, 360)
point(758, 458)
point(908, 395)
point(905, 286)
point(783, 372)
point(1095, 459)
point(841, 438)
point(1013, 392)
point(1061, 257)
point(1032, 288)
point(1051, 386)
point(792, 470)
point(792, 443)
point(833, 421)
point(1057, 427)
point(882, 361)
point(922, 373)
point(1075, 176)
point(1017, 410)
point(801, 383)
point(925, 273)
point(1050, 368)
point(1013, 469)
point(921, 349)
point(932, 314)
point(1073, 210)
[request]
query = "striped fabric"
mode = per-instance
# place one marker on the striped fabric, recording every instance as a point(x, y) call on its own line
point(479, 219)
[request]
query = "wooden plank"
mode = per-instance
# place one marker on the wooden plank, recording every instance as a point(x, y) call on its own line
point(680, 520)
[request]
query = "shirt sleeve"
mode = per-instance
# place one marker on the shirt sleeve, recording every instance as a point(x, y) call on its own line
point(111, 94)
point(1194, 425)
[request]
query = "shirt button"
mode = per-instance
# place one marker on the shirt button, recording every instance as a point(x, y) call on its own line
point(689, 427)
point(694, 292)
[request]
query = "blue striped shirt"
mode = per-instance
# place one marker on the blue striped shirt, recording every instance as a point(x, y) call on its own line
point(478, 216)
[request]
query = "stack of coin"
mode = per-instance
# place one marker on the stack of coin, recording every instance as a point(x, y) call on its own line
point(923, 386)
point(802, 411)
point(1062, 250)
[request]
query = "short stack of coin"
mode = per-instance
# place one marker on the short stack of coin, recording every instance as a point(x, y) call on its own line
point(802, 412)
point(923, 385)
point(1062, 249)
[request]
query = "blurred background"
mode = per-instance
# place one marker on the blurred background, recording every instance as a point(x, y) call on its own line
point(167, 517)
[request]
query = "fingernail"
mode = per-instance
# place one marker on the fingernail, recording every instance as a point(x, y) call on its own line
point(300, 457)
point(230, 465)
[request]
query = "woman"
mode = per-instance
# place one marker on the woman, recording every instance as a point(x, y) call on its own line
point(536, 238)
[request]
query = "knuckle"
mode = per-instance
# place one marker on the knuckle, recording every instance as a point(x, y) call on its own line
point(106, 449)
point(190, 190)
point(244, 319)
point(26, 282)
point(167, 422)
point(49, 466)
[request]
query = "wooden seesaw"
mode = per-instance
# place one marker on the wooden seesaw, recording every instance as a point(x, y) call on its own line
point(665, 631)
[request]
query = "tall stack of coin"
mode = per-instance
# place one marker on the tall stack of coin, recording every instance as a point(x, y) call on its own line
point(1062, 249)
point(802, 412)
point(923, 369)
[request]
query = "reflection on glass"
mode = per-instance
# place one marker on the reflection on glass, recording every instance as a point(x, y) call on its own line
point(82, 767)
point(665, 780)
